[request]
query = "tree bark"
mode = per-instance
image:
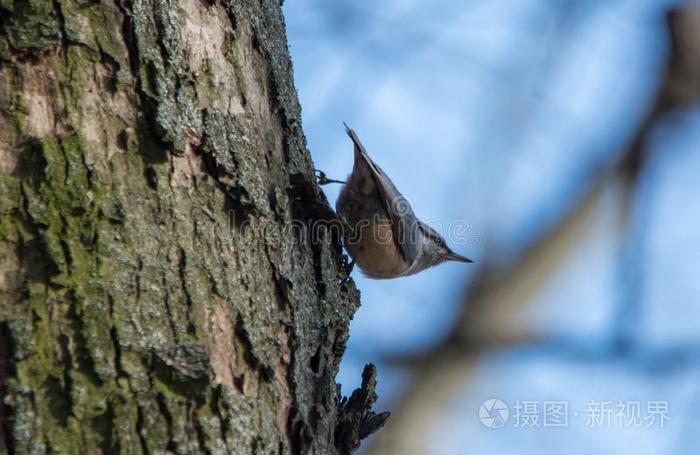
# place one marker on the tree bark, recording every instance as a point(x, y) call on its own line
point(163, 286)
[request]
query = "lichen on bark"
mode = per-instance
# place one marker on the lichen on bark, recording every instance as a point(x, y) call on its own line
point(159, 289)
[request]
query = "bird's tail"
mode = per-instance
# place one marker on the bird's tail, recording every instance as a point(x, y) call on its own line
point(359, 148)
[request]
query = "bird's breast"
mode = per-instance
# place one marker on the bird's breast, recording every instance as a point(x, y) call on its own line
point(372, 247)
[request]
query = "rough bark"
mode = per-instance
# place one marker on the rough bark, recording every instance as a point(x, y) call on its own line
point(160, 289)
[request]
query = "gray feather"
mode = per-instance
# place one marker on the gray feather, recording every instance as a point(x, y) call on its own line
point(404, 222)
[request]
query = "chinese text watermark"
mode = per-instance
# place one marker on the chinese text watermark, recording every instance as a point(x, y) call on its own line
point(495, 413)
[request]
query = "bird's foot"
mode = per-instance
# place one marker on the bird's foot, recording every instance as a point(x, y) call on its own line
point(323, 179)
point(348, 268)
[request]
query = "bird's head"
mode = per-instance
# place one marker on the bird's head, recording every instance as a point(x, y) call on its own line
point(435, 249)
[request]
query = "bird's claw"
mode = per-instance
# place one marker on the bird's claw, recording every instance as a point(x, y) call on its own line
point(348, 268)
point(323, 179)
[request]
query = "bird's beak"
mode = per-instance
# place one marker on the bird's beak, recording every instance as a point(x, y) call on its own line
point(452, 256)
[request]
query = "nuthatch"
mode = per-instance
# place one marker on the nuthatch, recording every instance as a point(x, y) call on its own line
point(380, 231)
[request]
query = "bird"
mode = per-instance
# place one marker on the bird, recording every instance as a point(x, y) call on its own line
point(381, 232)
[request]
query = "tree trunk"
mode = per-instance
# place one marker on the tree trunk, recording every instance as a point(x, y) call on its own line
point(160, 287)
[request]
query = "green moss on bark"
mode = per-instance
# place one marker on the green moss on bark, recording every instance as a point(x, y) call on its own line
point(152, 308)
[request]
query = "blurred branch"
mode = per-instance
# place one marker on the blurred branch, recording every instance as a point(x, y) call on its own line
point(679, 90)
point(680, 87)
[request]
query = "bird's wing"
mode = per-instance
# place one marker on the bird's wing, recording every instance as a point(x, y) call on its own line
point(403, 221)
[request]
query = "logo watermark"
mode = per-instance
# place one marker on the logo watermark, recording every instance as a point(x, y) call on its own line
point(493, 413)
